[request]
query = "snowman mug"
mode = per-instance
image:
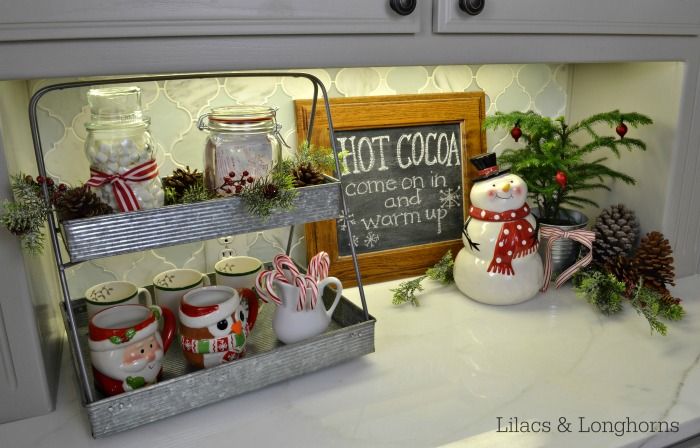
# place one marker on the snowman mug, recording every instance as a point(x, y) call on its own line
point(108, 294)
point(126, 348)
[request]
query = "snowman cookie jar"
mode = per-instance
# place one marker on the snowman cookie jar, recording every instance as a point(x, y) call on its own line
point(499, 264)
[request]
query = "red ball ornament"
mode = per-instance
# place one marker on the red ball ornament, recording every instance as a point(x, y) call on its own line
point(516, 133)
point(621, 129)
point(560, 178)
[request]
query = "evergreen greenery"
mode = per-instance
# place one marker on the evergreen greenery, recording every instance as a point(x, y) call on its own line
point(442, 271)
point(195, 193)
point(406, 291)
point(274, 191)
point(647, 302)
point(600, 289)
point(26, 216)
point(607, 293)
point(552, 146)
point(319, 157)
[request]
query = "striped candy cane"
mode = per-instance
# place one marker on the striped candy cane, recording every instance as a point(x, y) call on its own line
point(313, 286)
point(282, 262)
point(263, 285)
point(290, 274)
point(319, 266)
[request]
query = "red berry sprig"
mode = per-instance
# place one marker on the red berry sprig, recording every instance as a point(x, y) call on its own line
point(233, 186)
point(55, 191)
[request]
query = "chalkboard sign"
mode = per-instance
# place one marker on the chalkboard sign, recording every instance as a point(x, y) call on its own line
point(404, 187)
point(408, 185)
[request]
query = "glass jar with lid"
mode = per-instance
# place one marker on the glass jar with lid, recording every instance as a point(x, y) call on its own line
point(123, 170)
point(243, 141)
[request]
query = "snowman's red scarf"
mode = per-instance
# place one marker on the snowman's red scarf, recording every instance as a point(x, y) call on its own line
point(516, 238)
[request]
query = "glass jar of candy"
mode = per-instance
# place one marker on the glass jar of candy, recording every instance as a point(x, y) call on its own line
point(243, 141)
point(123, 170)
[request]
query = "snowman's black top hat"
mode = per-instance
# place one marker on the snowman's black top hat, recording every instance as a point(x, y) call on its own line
point(486, 166)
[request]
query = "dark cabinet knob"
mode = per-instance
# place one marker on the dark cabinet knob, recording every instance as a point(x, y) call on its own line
point(403, 7)
point(472, 7)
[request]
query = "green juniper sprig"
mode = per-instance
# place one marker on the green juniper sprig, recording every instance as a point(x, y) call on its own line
point(671, 310)
point(196, 193)
point(26, 216)
point(601, 289)
point(607, 293)
point(442, 271)
point(406, 291)
point(647, 302)
point(319, 157)
point(273, 191)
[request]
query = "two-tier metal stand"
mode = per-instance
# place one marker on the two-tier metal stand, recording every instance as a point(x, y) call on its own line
point(351, 333)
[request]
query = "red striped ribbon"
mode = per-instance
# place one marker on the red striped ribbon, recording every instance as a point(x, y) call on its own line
point(125, 196)
point(585, 237)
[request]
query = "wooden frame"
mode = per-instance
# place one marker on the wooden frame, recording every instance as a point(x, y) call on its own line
point(467, 109)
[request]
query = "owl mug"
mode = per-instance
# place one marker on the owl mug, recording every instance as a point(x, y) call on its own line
point(215, 323)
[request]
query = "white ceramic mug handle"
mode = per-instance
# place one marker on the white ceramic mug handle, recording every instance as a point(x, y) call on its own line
point(338, 292)
point(205, 280)
point(146, 296)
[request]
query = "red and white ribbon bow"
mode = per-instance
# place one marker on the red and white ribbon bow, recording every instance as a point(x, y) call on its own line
point(585, 237)
point(125, 196)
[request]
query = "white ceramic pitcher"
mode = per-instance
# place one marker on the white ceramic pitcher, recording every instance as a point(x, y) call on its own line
point(293, 326)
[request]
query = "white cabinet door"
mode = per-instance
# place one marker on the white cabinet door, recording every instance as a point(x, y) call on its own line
point(87, 19)
point(671, 17)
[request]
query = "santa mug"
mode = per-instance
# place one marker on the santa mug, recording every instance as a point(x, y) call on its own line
point(126, 348)
point(109, 294)
point(237, 272)
point(215, 322)
point(170, 286)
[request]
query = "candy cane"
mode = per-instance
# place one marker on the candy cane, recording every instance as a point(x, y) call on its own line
point(282, 262)
point(260, 287)
point(300, 283)
point(319, 266)
point(286, 271)
point(263, 285)
point(313, 286)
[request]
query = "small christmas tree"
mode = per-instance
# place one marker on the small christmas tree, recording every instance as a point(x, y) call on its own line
point(555, 167)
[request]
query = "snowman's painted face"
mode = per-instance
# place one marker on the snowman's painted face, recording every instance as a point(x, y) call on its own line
point(498, 194)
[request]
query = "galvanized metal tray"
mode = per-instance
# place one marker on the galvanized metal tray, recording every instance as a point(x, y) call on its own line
point(267, 361)
point(120, 233)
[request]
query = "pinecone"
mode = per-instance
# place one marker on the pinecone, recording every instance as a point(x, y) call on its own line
point(668, 299)
point(624, 270)
point(181, 180)
point(80, 202)
point(306, 174)
point(270, 191)
point(653, 261)
point(616, 233)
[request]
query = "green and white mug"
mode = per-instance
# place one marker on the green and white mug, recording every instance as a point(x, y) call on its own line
point(109, 294)
point(170, 286)
point(237, 272)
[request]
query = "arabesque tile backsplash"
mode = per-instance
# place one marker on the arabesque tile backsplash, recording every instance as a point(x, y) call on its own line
point(174, 107)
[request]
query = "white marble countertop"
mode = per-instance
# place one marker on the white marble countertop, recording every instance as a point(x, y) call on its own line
point(442, 374)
